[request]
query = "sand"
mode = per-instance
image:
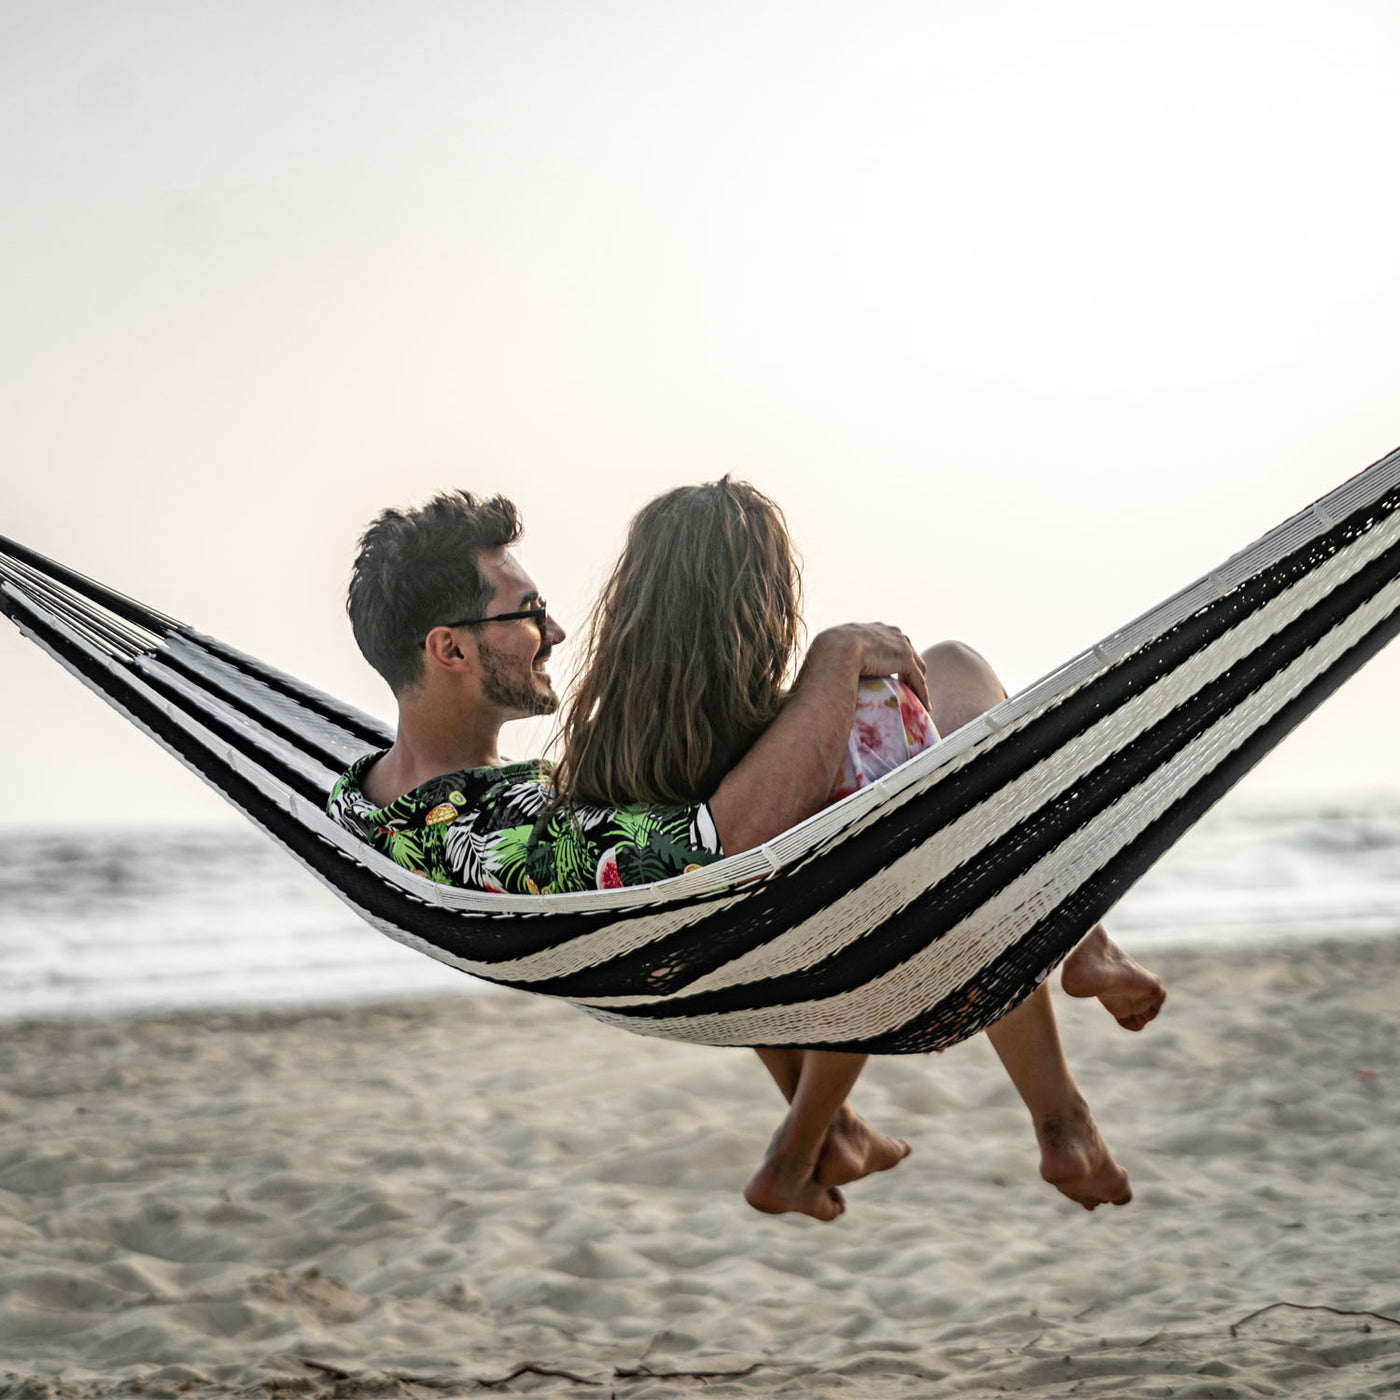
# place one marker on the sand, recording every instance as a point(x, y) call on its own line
point(423, 1198)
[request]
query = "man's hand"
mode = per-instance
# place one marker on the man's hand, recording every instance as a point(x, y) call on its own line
point(788, 773)
point(880, 650)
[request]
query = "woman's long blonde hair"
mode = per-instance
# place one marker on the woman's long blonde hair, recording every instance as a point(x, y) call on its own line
point(688, 651)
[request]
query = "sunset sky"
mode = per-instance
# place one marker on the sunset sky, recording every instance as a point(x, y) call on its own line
point(1028, 315)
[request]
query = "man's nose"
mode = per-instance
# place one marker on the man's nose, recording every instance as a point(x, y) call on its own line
point(553, 632)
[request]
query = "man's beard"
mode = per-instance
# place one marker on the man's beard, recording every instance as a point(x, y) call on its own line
point(511, 692)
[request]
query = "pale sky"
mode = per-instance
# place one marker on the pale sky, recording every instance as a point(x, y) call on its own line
point(1027, 314)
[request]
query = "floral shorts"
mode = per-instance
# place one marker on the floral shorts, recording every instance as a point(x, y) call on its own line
point(891, 726)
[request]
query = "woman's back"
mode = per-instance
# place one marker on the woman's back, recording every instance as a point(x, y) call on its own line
point(688, 652)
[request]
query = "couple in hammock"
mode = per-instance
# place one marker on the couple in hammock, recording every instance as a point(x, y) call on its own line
point(680, 744)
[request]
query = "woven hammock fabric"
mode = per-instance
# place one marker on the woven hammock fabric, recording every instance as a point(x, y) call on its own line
point(902, 919)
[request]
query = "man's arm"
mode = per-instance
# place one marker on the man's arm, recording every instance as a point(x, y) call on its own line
point(788, 773)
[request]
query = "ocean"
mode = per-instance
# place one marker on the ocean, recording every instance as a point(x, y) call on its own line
point(98, 922)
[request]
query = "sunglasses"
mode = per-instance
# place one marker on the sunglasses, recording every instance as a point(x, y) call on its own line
point(537, 615)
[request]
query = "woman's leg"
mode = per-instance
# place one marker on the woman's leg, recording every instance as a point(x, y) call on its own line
point(1074, 1158)
point(1098, 967)
point(961, 686)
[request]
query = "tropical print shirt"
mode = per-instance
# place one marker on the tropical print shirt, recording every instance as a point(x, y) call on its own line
point(496, 829)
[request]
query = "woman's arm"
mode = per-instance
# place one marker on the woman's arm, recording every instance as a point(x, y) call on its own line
point(787, 774)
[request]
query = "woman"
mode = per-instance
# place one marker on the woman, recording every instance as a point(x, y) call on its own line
point(689, 652)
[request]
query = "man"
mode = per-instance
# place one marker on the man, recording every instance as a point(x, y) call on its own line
point(448, 616)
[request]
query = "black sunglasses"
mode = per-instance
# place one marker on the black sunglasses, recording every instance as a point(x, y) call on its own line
point(537, 615)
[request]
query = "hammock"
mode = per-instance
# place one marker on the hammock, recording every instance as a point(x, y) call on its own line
point(904, 918)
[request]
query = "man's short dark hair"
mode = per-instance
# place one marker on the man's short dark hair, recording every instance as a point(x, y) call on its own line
point(418, 569)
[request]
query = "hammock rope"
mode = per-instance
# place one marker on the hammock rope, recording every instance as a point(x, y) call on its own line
point(902, 919)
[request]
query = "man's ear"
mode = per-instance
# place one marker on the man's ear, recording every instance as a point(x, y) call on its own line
point(443, 649)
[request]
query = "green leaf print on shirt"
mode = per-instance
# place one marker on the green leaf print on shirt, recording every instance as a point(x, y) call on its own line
point(404, 848)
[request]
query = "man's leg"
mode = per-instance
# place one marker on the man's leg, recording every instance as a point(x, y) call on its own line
point(852, 1148)
point(1074, 1158)
point(961, 686)
point(787, 1179)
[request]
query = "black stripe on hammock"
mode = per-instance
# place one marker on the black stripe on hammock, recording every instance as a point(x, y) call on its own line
point(359, 726)
point(212, 685)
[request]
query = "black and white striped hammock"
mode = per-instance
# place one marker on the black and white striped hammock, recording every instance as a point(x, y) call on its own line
point(904, 918)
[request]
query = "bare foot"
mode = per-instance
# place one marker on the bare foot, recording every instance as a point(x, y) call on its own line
point(1075, 1160)
point(775, 1191)
point(854, 1149)
point(1098, 967)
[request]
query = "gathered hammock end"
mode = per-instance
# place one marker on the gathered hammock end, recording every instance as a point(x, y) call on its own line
point(904, 918)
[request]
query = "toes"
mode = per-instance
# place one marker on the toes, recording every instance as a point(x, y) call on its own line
point(1136, 1020)
point(1123, 1196)
point(892, 1154)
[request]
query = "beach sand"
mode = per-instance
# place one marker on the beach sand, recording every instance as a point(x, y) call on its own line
point(422, 1198)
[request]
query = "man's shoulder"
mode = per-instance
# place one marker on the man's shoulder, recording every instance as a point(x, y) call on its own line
point(467, 790)
point(480, 787)
point(448, 827)
point(499, 829)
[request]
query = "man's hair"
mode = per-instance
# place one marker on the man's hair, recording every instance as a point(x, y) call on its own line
point(688, 649)
point(418, 569)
